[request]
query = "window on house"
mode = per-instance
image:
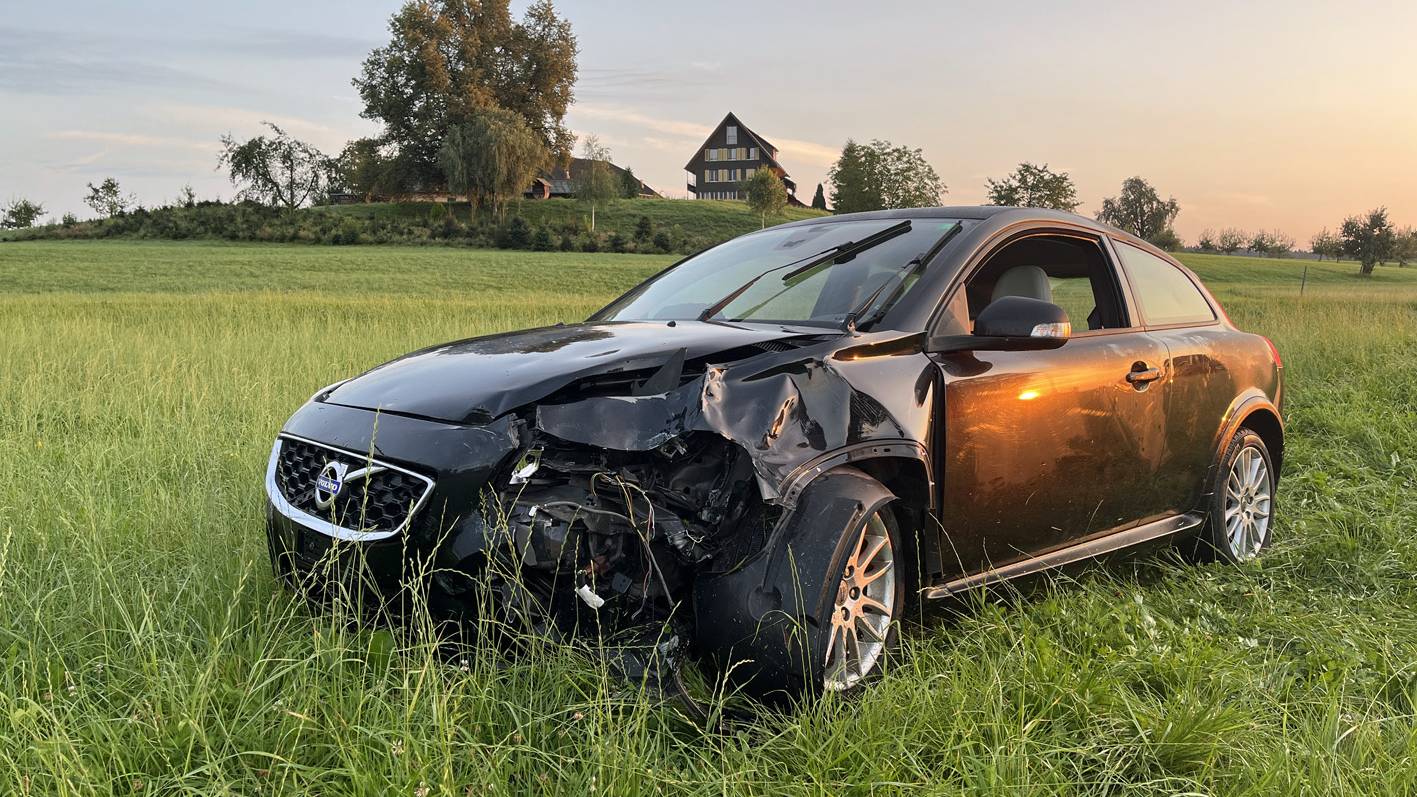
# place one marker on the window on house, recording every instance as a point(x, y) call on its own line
point(732, 134)
point(752, 153)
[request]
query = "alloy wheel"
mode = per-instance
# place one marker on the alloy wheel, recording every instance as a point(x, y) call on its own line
point(864, 609)
point(1248, 503)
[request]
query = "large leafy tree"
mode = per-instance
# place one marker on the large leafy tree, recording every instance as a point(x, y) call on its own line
point(881, 175)
point(276, 169)
point(492, 157)
point(765, 192)
point(21, 213)
point(448, 59)
point(1033, 186)
point(1368, 239)
point(1141, 211)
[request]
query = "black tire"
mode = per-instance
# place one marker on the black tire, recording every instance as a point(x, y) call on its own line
point(767, 626)
point(1240, 510)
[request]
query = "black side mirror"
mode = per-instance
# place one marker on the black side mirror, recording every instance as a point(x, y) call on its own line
point(1021, 317)
point(1012, 323)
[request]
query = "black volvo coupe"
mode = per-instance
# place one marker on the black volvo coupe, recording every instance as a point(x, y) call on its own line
point(763, 453)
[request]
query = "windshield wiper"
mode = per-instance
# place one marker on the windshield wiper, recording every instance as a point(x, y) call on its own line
point(895, 283)
point(840, 253)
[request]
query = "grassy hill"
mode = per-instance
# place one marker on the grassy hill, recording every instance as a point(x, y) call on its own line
point(145, 648)
point(675, 225)
point(717, 219)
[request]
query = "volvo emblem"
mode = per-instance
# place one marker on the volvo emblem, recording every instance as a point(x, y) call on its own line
point(329, 483)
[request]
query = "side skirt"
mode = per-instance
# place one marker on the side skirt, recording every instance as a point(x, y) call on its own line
point(1087, 549)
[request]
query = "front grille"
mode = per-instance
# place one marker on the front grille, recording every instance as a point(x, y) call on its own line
point(380, 501)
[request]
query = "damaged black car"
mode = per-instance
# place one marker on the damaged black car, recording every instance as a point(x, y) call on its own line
point(760, 457)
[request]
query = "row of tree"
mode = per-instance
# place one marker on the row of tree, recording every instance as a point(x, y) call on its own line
point(881, 175)
point(1266, 243)
point(1370, 238)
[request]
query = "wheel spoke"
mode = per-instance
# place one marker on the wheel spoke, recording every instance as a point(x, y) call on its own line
point(863, 562)
point(869, 578)
point(868, 603)
point(862, 625)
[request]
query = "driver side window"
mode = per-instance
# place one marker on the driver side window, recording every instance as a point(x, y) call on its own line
point(1071, 272)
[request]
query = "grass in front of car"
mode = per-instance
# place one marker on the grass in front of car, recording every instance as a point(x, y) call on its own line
point(146, 649)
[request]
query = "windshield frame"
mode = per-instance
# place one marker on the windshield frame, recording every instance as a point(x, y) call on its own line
point(878, 311)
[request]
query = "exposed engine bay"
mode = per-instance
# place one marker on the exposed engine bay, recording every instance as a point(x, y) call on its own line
point(586, 539)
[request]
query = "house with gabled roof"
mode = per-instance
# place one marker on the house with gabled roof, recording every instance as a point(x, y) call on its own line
point(730, 155)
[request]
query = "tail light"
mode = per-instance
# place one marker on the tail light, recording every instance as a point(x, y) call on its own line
point(1273, 352)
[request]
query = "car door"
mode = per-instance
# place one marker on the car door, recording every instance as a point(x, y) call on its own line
point(1041, 449)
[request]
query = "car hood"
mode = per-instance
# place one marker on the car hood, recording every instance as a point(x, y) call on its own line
point(476, 380)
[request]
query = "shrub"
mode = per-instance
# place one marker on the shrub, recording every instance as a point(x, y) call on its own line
point(541, 240)
point(515, 234)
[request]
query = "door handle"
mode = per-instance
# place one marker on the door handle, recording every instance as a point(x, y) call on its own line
point(1143, 376)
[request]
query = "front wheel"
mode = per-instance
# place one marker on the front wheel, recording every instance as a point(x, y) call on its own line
point(867, 601)
point(1242, 502)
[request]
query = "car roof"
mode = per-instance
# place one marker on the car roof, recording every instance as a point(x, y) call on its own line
point(971, 212)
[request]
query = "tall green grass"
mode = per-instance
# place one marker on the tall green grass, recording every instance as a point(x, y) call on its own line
point(145, 649)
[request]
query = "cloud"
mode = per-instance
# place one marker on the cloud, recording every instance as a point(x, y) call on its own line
point(132, 139)
point(41, 62)
point(809, 151)
point(622, 115)
point(218, 119)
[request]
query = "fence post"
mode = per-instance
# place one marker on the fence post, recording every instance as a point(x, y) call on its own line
point(1304, 280)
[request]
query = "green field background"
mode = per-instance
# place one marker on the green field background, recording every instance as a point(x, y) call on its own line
point(144, 648)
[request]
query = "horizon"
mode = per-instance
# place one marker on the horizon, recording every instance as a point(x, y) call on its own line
point(1293, 130)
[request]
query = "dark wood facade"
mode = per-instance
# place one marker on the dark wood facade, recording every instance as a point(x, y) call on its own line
point(730, 155)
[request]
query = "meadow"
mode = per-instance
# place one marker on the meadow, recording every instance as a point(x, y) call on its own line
point(145, 648)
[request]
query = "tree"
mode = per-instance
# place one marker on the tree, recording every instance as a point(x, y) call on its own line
point(629, 184)
point(1206, 241)
point(1281, 243)
point(1140, 211)
point(447, 59)
point(492, 157)
point(1368, 239)
point(107, 198)
point(819, 199)
point(1231, 240)
point(1259, 243)
point(595, 183)
point(276, 170)
point(1404, 246)
point(366, 167)
point(766, 194)
point(1032, 186)
point(1326, 244)
point(880, 175)
point(21, 213)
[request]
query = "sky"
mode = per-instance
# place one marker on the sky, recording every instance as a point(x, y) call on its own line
point(1275, 115)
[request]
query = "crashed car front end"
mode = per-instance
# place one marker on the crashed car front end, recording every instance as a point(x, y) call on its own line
point(612, 500)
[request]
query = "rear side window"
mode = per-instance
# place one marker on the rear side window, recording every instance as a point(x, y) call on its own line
point(1165, 293)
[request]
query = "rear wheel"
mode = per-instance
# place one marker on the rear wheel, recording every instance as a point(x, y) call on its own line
point(1242, 502)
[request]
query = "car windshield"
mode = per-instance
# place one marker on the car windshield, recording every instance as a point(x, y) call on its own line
point(749, 278)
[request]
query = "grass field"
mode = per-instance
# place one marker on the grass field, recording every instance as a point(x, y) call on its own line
point(144, 648)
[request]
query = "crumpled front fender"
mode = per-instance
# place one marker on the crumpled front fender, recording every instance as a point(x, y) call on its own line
point(761, 622)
